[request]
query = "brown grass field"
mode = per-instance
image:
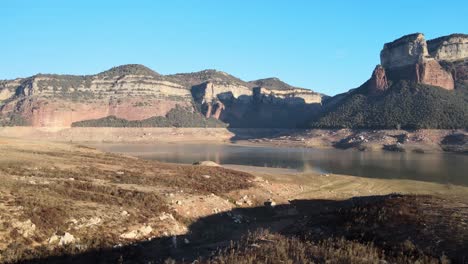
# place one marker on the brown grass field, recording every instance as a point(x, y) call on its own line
point(70, 203)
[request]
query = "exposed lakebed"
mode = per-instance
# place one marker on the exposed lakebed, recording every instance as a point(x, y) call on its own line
point(440, 168)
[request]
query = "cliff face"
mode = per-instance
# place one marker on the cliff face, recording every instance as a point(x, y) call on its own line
point(404, 51)
point(378, 82)
point(449, 48)
point(413, 58)
point(401, 92)
point(249, 105)
point(134, 92)
point(58, 101)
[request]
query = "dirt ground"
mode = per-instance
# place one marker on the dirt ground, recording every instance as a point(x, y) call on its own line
point(61, 199)
point(420, 141)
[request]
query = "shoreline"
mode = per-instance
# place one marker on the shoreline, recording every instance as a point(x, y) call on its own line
point(420, 141)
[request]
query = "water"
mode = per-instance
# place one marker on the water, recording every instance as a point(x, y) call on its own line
point(441, 168)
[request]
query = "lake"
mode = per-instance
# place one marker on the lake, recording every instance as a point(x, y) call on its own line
point(441, 168)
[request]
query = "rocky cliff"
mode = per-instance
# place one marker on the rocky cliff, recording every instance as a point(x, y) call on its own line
point(134, 92)
point(419, 84)
point(413, 58)
point(449, 48)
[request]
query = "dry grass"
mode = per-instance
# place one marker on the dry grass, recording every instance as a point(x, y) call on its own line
point(270, 248)
point(54, 186)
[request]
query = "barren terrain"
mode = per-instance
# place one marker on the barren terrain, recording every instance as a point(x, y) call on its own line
point(64, 202)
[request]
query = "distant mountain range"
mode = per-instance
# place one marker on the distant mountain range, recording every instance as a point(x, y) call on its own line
point(419, 84)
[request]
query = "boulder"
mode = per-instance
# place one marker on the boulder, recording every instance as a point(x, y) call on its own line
point(207, 163)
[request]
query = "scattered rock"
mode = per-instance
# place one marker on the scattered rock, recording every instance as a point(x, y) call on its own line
point(206, 176)
point(26, 228)
point(54, 239)
point(270, 203)
point(120, 173)
point(124, 213)
point(66, 239)
point(130, 235)
point(208, 163)
point(178, 202)
point(138, 233)
point(165, 216)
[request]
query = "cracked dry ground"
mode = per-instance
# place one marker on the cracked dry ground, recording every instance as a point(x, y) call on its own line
point(68, 200)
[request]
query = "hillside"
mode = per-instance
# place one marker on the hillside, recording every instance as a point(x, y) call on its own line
point(419, 85)
point(405, 105)
point(134, 95)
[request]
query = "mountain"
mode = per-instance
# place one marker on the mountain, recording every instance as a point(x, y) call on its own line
point(134, 95)
point(419, 84)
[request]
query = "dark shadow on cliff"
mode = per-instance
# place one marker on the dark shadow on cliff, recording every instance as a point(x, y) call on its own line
point(412, 226)
point(258, 115)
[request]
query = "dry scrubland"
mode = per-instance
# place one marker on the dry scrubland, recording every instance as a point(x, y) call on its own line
point(62, 202)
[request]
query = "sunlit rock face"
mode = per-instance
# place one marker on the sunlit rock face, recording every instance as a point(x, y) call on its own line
point(449, 48)
point(404, 51)
point(378, 82)
point(134, 92)
point(129, 92)
point(413, 58)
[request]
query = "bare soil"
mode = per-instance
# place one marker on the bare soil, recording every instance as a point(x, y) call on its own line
point(70, 203)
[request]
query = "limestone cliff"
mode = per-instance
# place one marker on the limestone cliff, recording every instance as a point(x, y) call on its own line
point(413, 58)
point(404, 51)
point(135, 92)
point(449, 48)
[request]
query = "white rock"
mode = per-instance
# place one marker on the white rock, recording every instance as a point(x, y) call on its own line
point(66, 239)
point(54, 239)
point(130, 235)
point(145, 230)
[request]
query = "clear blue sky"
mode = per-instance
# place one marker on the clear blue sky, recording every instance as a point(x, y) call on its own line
point(327, 46)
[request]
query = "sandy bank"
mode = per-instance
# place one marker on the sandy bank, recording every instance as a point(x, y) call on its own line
point(421, 141)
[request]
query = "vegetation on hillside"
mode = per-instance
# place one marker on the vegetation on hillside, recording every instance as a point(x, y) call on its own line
point(273, 84)
point(403, 105)
point(195, 78)
point(176, 117)
point(128, 69)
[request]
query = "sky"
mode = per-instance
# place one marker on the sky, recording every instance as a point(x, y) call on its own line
point(327, 46)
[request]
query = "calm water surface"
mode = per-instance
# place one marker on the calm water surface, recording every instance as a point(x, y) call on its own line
point(441, 168)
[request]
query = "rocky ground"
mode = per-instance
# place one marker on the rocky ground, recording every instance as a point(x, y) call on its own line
point(420, 141)
point(69, 203)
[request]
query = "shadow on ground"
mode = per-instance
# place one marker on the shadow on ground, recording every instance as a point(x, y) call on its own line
point(412, 226)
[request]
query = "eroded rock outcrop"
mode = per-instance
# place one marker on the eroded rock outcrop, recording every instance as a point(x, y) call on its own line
point(60, 100)
point(378, 82)
point(404, 51)
point(413, 58)
point(449, 48)
point(135, 92)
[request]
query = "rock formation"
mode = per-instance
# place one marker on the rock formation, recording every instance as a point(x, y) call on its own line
point(413, 58)
point(135, 92)
point(405, 51)
point(378, 82)
point(58, 101)
point(449, 48)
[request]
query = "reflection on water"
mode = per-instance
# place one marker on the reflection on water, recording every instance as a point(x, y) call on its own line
point(442, 168)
